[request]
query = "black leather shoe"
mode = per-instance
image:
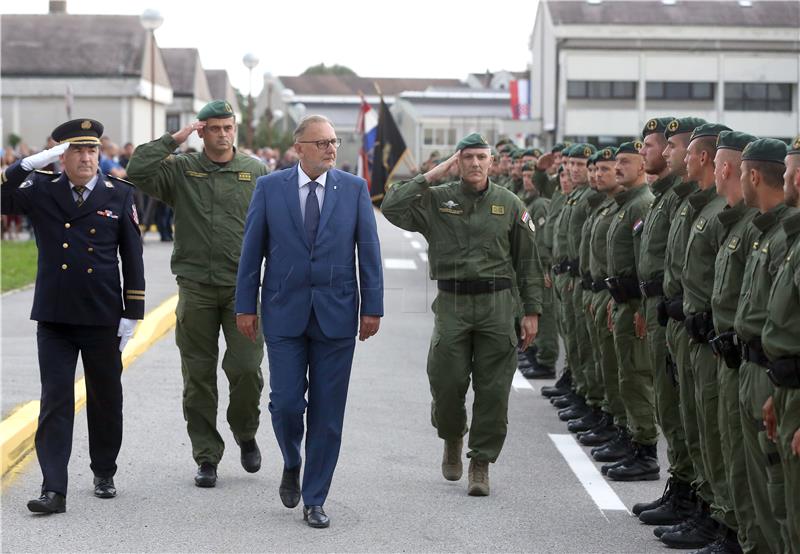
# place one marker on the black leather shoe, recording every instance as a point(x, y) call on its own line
point(643, 466)
point(561, 387)
point(539, 371)
point(104, 487)
point(48, 503)
point(289, 489)
point(251, 456)
point(315, 516)
point(206, 475)
point(573, 412)
point(585, 423)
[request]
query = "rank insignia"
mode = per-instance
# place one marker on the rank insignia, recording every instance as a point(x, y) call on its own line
point(245, 176)
point(701, 223)
point(498, 210)
point(734, 242)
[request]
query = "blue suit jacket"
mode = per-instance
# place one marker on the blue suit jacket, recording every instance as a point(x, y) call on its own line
point(299, 275)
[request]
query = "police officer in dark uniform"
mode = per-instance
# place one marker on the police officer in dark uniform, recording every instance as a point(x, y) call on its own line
point(84, 223)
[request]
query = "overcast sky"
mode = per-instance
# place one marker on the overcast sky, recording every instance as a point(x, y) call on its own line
point(419, 38)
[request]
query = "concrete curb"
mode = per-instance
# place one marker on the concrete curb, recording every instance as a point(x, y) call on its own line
point(18, 430)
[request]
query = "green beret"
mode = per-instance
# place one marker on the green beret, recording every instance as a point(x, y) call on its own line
point(473, 140)
point(528, 166)
point(733, 140)
point(517, 153)
point(538, 153)
point(708, 130)
point(582, 150)
point(494, 153)
point(794, 148)
point(558, 147)
point(683, 125)
point(84, 132)
point(631, 147)
point(656, 125)
point(560, 169)
point(607, 154)
point(765, 150)
point(591, 159)
point(215, 108)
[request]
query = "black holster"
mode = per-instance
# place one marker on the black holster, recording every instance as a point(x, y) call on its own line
point(726, 346)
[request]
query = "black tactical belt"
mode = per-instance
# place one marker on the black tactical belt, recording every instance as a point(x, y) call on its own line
point(599, 285)
point(652, 289)
point(752, 352)
point(474, 287)
point(785, 372)
point(726, 346)
point(700, 326)
point(623, 289)
point(574, 267)
point(561, 267)
point(674, 307)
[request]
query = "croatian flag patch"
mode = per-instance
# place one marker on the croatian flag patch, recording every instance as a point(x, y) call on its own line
point(638, 225)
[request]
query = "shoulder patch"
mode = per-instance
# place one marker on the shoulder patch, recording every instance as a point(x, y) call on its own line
point(541, 222)
point(26, 184)
point(109, 185)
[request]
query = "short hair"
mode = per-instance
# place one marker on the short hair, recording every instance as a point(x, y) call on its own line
point(707, 144)
point(771, 172)
point(309, 120)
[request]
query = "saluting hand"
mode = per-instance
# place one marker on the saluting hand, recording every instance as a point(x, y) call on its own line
point(44, 158)
point(529, 328)
point(181, 136)
point(442, 169)
point(247, 325)
point(545, 162)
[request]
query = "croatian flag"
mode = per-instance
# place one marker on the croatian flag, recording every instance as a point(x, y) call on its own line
point(367, 127)
point(520, 90)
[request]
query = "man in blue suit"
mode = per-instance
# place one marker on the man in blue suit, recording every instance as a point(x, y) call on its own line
point(308, 222)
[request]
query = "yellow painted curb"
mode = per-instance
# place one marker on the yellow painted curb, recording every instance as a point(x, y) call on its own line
point(17, 431)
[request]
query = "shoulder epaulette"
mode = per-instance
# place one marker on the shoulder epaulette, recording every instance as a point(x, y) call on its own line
point(46, 172)
point(120, 180)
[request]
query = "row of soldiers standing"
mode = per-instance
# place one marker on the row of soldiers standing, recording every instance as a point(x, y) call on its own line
point(674, 284)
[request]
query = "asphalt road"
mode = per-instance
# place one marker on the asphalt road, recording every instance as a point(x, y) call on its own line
point(388, 494)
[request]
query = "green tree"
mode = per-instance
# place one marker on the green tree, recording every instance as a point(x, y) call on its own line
point(335, 69)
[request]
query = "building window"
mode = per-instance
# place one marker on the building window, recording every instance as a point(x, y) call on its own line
point(428, 140)
point(173, 123)
point(439, 137)
point(597, 90)
point(758, 97)
point(668, 90)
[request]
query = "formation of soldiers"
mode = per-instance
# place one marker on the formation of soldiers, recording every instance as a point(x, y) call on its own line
point(673, 281)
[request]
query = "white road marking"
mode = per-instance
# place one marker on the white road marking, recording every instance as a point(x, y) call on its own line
point(399, 263)
point(520, 382)
point(423, 256)
point(417, 245)
point(408, 234)
point(586, 472)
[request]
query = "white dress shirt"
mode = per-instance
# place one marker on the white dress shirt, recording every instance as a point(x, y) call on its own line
point(89, 188)
point(303, 181)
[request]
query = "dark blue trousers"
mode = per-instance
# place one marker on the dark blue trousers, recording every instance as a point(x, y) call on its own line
point(320, 365)
point(59, 345)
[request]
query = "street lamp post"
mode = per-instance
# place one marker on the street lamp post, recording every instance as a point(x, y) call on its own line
point(250, 61)
point(151, 20)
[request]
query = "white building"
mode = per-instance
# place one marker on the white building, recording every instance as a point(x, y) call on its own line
point(57, 65)
point(601, 68)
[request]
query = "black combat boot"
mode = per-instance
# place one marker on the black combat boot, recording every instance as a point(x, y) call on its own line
point(677, 507)
point(567, 400)
point(643, 466)
point(573, 412)
point(561, 387)
point(727, 543)
point(665, 497)
point(585, 423)
point(616, 450)
point(701, 531)
point(604, 431)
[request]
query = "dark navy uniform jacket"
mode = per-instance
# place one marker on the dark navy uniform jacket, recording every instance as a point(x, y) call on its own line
point(78, 278)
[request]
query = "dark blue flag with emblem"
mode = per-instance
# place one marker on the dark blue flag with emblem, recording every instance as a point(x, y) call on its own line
point(389, 150)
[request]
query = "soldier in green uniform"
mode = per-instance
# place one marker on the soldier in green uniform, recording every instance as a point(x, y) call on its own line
point(782, 411)
point(504, 152)
point(762, 186)
point(736, 219)
point(546, 343)
point(573, 216)
point(515, 173)
point(697, 278)
point(563, 386)
point(677, 502)
point(545, 176)
point(480, 237)
point(595, 395)
point(612, 415)
point(635, 374)
point(210, 192)
point(700, 528)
